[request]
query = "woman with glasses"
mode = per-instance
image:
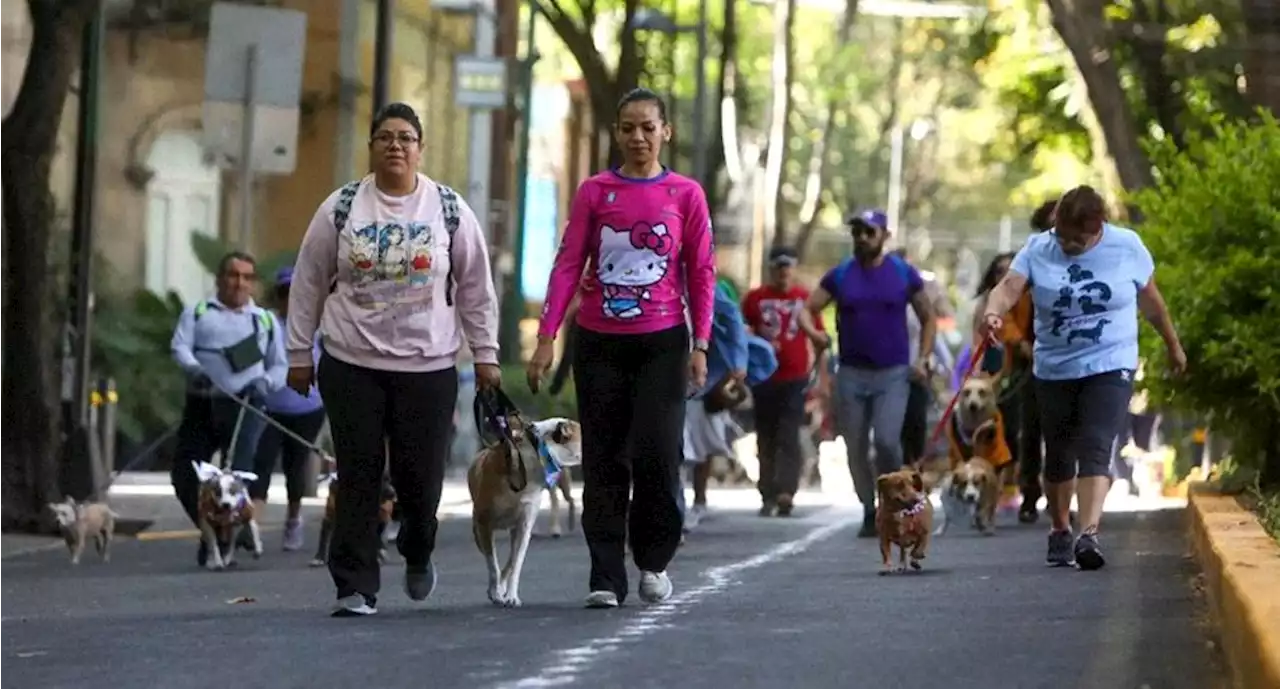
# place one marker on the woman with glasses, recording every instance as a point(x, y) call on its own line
point(1088, 281)
point(394, 272)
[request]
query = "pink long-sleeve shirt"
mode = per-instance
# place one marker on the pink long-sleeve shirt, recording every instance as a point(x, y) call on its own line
point(391, 260)
point(649, 244)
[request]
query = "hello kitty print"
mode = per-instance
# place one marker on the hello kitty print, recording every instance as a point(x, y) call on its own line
point(632, 261)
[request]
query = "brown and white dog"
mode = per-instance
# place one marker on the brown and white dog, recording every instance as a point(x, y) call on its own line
point(81, 521)
point(904, 517)
point(564, 484)
point(386, 506)
point(980, 459)
point(225, 509)
point(499, 501)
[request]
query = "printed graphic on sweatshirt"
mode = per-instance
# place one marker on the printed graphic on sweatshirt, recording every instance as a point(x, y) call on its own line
point(631, 261)
point(391, 263)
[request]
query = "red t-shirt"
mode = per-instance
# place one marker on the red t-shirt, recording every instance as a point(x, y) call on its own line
point(774, 315)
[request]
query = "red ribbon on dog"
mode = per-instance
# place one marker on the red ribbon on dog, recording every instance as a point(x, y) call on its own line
point(975, 360)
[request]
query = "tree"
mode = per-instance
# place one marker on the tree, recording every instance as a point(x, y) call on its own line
point(781, 77)
point(29, 441)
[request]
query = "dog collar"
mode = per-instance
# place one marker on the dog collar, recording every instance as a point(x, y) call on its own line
point(550, 467)
point(913, 510)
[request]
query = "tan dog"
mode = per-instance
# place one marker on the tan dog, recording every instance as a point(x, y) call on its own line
point(904, 517)
point(225, 509)
point(386, 506)
point(980, 459)
point(81, 520)
point(502, 500)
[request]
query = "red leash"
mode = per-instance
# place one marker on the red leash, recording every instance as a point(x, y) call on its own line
point(974, 362)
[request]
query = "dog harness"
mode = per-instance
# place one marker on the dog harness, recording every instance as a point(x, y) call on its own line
point(550, 467)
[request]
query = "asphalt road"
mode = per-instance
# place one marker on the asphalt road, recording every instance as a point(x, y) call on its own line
point(759, 603)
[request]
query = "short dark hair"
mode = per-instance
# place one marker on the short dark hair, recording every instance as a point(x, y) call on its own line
point(642, 95)
point(1080, 205)
point(396, 111)
point(1042, 218)
point(230, 256)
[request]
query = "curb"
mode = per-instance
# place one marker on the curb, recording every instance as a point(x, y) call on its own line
point(1241, 563)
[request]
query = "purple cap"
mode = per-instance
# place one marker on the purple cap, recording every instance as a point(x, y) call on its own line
point(871, 216)
point(284, 276)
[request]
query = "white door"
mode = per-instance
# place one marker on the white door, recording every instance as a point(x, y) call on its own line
point(182, 200)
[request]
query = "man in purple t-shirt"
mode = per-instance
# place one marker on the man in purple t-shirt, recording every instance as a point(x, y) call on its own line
point(871, 291)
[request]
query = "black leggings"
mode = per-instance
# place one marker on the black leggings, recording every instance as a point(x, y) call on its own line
point(631, 396)
point(779, 409)
point(374, 416)
point(293, 455)
point(1080, 420)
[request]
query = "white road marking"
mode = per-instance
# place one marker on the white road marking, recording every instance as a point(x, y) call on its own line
point(568, 664)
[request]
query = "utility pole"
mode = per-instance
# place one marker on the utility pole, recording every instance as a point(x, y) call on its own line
point(382, 50)
point(513, 295)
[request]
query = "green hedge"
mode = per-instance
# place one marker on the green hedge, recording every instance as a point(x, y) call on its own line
point(1212, 222)
point(541, 405)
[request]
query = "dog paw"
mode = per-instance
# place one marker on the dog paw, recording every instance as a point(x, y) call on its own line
point(215, 566)
point(257, 554)
point(316, 563)
point(989, 531)
point(497, 596)
point(885, 572)
point(915, 564)
point(511, 601)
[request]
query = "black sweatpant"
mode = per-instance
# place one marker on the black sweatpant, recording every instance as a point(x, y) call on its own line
point(376, 416)
point(292, 454)
point(779, 411)
point(915, 423)
point(631, 397)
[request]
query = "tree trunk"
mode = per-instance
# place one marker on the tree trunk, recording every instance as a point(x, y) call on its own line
point(819, 161)
point(716, 153)
point(29, 451)
point(1147, 39)
point(784, 19)
point(1083, 28)
point(1262, 59)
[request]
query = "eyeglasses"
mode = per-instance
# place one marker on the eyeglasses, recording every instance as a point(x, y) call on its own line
point(385, 138)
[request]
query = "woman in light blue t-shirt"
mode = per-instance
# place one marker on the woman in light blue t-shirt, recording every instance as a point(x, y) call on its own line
point(1088, 280)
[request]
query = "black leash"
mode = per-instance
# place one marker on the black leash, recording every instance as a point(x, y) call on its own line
point(494, 415)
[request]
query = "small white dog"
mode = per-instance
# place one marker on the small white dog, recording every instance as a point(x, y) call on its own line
point(500, 501)
point(225, 508)
point(81, 520)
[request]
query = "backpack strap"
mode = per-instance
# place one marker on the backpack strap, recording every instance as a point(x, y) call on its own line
point(452, 219)
point(342, 207)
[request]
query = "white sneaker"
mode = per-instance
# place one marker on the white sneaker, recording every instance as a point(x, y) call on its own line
point(655, 587)
point(602, 599)
point(354, 606)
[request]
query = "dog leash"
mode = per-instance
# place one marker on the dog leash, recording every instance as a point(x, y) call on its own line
point(245, 405)
point(975, 360)
point(492, 411)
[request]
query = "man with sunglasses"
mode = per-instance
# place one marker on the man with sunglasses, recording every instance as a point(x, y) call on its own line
point(871, 291)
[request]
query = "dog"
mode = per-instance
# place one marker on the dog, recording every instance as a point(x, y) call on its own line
point(501, 499)
point(980, 459)
point(81, 520)
point(565, 485)
point(225, 509)
point(904, 517)
point(386, 506)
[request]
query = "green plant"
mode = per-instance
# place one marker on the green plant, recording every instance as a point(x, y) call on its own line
point(1213, 225)
point(210, 250)
point(131, 338)
point(543, 404)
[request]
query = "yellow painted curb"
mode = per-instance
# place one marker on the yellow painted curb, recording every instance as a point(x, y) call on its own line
point(181, 534)
point(1241, 564)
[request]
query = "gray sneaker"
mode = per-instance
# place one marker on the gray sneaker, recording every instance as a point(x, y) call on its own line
point(1060, 549)
point(355, 606)
point(293, 535)
point(419, 582)
point(1088, 553)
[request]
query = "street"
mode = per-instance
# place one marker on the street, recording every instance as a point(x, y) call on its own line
point(759, 603)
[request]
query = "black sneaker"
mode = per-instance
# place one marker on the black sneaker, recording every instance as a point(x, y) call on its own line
point(1059, 554)
point(768, 509)
point(1088, 553)
point(868, 528)
point(356, 606)
point(419, 582)
point(1027, 512)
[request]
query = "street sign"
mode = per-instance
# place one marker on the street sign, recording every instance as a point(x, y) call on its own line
point(252, 85)
point(480, 82)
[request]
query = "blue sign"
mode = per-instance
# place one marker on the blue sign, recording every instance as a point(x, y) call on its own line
point(540, 230)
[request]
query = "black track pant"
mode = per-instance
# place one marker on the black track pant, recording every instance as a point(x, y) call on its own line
point(779, 410)
point(631, 397)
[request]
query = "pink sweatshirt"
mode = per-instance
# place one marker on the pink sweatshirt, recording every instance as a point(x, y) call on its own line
point(391, 259)
point(649, 242)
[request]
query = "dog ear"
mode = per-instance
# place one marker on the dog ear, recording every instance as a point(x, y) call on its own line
point(206, 471)
point(882, 483)
point(917, 481)
point(245, 475)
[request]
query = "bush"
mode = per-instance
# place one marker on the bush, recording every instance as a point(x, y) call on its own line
point(541, 405)
point(1212, 221)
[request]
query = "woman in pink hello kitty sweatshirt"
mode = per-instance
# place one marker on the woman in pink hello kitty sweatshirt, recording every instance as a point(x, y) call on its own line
point(646, 234)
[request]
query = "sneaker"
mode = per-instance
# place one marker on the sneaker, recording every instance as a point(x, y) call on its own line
point(694, 517)
point(1059, 554)
point(768, 509)
point(293, 535)
point(1088, 553)
point(419, 582)
point(785, 504)
point(599, 600)
point(655, 587)
point(391, 532)
point(355, 606)
point(1027, 512)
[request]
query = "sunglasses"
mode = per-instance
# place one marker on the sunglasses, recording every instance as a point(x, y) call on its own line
point(859, 228)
